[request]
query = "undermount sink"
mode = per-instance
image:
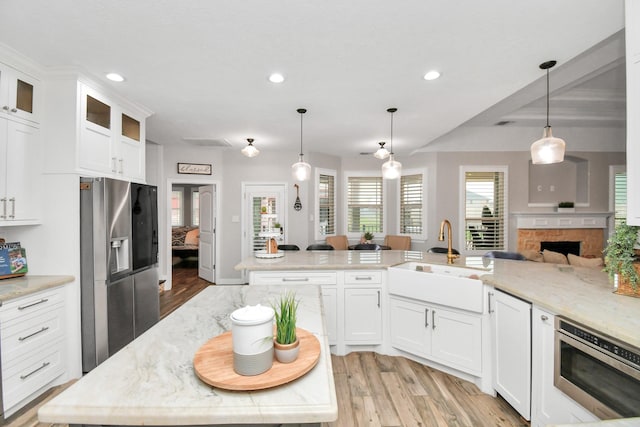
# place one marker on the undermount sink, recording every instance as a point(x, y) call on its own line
point(439, 284)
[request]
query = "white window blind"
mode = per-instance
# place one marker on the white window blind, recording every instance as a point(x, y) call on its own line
point(620, 197)
point(411, 204)
point(485, 217)
point(195, 208)
point(326, 204)
point(364, 205)
point(177, 199)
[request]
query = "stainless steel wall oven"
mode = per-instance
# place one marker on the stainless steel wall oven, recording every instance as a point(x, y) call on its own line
point(597, 371)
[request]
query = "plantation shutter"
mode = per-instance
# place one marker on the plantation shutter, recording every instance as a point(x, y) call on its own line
point(364, 204)
point(265, 215)
point(411, 204)
point(326, 202)
point(485, 210)
point(620, 198)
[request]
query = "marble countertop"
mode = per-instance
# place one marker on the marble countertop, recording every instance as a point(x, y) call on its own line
point(152, 381)
point(21, 286)
point(579, 293)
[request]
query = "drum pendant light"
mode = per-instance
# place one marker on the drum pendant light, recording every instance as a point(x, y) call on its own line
point(391, 169)
point(548, 149)
point(301, 170)
point(250, 150)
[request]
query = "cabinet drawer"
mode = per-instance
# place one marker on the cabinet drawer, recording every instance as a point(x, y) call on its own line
point(31, 373)
point(30, 304)
point(362, 277)
point(29, 334)
point(292, 278)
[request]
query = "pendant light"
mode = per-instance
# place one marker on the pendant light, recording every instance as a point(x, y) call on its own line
point(301, 170)
point(548, 149)
point(382, 152)
point(250, 150)
point(391, 169)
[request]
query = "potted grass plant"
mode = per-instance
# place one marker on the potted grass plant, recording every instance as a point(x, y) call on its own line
point(621, 259)
point(368, 237)
point(286, 344)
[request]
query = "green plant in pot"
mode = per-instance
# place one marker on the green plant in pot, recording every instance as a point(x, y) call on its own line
point(286, 343)
point(620, 258)
point(368, 237)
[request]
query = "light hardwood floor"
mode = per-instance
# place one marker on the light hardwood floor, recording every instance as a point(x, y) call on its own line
point(371, 389)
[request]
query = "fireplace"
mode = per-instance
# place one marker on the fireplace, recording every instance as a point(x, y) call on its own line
point(563, 247)
point(584, 232)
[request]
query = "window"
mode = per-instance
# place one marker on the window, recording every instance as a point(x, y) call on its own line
point(326, 203)
point(177, 202)
point(195, 207)
point(485, 208)
point(412, 194)
point(618, 198)
point(365, 209)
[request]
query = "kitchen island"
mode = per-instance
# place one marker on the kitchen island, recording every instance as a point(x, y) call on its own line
point(152, 380)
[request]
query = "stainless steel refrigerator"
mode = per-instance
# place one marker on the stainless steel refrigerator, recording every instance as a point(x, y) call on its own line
point(119, 270)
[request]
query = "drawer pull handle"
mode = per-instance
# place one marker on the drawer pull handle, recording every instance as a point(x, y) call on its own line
point(544, 318)
point(378, 299)
point(433, 319)
point(44, 365)
point(295, 279)
point(44, 328)
point(426, 317)
point(43, 300)
point(364, 278)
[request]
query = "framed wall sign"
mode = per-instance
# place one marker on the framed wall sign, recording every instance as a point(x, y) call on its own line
point(194, 168)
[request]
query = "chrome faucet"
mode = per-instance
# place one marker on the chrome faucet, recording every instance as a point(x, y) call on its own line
point(450, 255)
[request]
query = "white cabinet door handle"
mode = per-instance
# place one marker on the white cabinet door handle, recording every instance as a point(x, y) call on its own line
point(433, 319)
point(489, 302)
point(13, 207)
point(378, 299)
point(426, 317)
point(4, 208)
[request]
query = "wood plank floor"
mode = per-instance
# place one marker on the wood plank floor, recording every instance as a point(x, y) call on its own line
point(372, 389)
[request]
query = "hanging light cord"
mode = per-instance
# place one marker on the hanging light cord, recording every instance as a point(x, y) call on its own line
point(391, 142)
point(547, 97)
point(301, 134)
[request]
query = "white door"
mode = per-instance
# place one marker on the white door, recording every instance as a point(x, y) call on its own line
point(207, 247)
point(264, 211)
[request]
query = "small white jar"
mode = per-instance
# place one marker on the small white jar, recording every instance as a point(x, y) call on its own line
point(252, 337)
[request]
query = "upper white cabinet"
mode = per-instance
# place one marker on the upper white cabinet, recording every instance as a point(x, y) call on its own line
point(20, 95)
point(632, 33)
point(94, 132)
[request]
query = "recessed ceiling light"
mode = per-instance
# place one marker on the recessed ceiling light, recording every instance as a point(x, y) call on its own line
point(115, 77)
point(432, 75)
point(276, 78)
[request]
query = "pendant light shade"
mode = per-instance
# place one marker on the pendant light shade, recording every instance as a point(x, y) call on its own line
point(382, 152)
point(301, 170)
point(548, 149)
point(391, 169)
point(250, 150)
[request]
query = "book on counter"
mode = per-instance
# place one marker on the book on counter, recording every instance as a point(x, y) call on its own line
point(13, 260)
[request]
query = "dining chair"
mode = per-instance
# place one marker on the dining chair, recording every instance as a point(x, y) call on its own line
point(505, 255)
point(402, 243)
point(367, 247)
point(319, 247)
point(441, 250)
point(339, 243)
point(288, 248)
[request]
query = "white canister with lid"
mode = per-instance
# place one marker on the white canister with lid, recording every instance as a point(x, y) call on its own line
point(252, 337)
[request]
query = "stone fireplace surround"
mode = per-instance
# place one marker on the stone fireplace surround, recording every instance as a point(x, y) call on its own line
point(588, 228)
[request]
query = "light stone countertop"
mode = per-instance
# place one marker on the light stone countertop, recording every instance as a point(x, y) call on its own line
point(152, 381)
point(579, 293)
point(22, 286)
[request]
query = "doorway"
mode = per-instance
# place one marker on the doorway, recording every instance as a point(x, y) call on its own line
point(192, 209)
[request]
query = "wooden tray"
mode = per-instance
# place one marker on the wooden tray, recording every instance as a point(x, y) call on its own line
point(213, 363)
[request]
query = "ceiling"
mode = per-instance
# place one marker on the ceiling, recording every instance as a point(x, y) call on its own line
point(202, 66)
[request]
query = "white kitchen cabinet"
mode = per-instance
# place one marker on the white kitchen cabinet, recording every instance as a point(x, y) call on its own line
point(511, 321)
point(548, 404)
point(93, 131)
point(20, 169)
point(450, 337)
point(632, 39)
point(20, 95)
point(33, 338)
point(330, 304)
point(363, 315)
